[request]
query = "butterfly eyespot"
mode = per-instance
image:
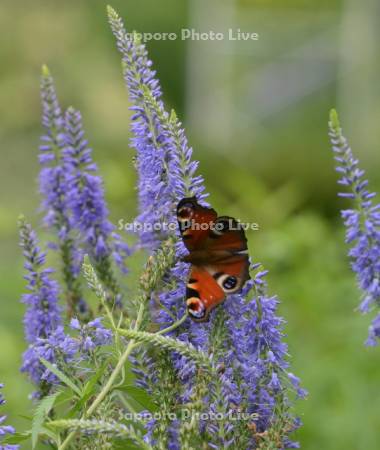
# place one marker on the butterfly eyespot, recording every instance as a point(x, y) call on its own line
point(230, 283)
point(196, 308)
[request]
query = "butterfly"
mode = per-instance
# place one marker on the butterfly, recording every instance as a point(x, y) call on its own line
point(218, 255)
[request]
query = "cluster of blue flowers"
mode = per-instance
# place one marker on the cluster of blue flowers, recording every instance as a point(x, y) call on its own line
point(43, 322)
point(362, 226)
point(163, 157)
point(91, 335)
point(85, 198)
point(43, 315)
point(5, 429)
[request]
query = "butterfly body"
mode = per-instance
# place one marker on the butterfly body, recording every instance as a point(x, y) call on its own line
point(217, 253)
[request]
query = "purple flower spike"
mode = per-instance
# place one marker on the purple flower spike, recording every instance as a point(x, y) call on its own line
point(56, 348)
point(5, 429)
point(163, 161)
point(51, 175)
point(362, 226)
point(54, 190)
point(43, 315)
point(86, 202)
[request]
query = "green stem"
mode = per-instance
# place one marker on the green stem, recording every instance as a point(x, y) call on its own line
point(174, 325)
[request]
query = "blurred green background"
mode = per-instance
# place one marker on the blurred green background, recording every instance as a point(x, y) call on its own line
point(256, 114)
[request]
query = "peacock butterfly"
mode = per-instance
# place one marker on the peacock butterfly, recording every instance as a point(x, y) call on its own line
point(218, 255)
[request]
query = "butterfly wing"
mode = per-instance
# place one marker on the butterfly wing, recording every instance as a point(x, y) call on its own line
point(227, 251)
point(226, 234)
point(203, 293)
point(194, 222)
point(231, 273)
point(208, 285)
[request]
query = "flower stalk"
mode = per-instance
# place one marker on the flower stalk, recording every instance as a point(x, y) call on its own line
point(362, 226)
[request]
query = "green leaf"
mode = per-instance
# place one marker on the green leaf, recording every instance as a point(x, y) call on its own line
point(24, 416)
point(88, 389)
point(66, 380)
point(124, 444)
point(42, 410)
point(89, 386)
point(16, 438)
point(65, 396)
point(139, 395)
